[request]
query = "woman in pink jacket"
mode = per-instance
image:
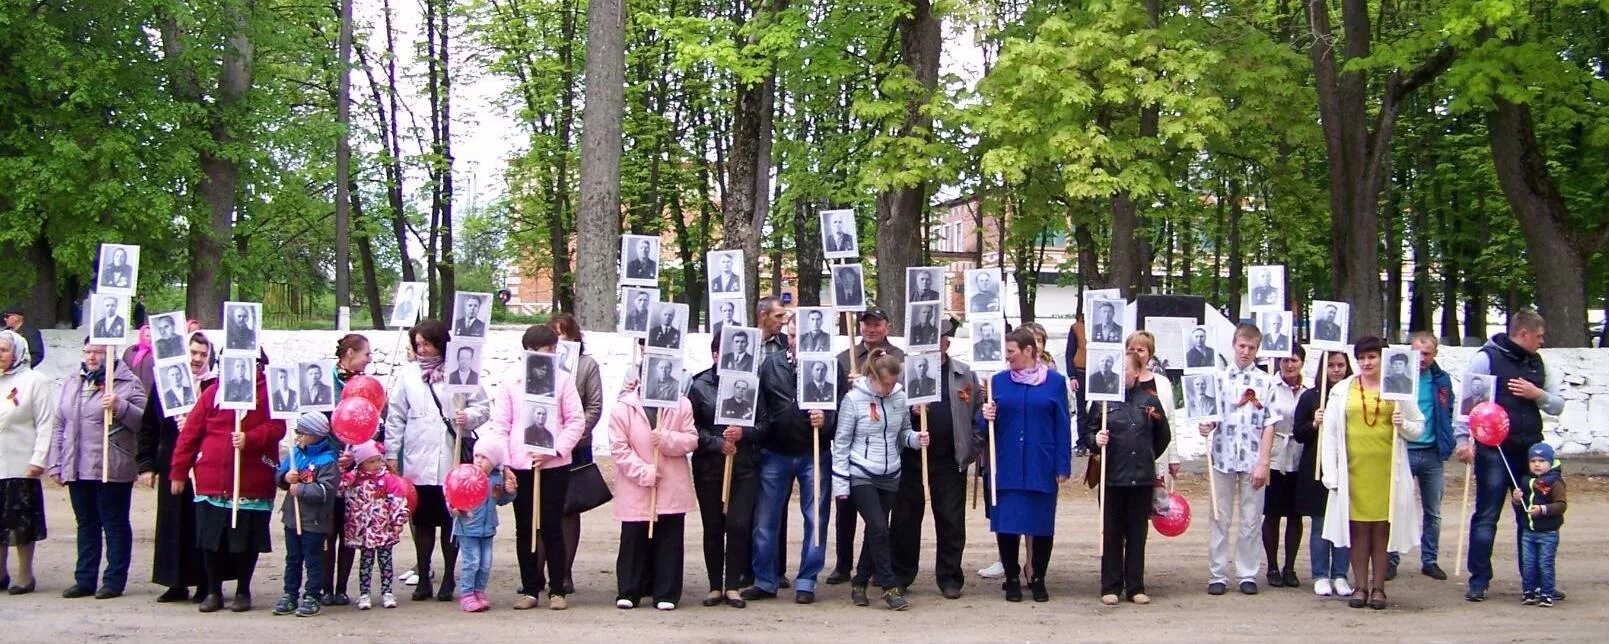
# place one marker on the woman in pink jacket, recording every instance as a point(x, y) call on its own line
point(646, 486)
point(564, 422)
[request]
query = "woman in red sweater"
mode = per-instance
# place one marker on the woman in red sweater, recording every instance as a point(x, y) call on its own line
point(208, 447)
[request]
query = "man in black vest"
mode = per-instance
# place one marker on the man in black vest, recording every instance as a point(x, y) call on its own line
point(1525, 389)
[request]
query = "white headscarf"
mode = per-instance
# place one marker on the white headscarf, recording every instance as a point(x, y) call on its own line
point(19, 352)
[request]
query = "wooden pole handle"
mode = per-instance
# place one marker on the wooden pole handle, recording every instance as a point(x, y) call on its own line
point(234, 495)
point(927, 486)
point(653, 497)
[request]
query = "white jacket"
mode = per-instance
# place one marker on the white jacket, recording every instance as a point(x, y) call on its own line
point(415, 429)
point(1164, 394)
point(27, 416)
point(1405, 527)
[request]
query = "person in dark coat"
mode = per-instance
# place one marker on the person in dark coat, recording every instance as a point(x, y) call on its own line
point(1329, 563)
point(176, 562)
point(14, 320)
point(1136, 431)
point(728, 528)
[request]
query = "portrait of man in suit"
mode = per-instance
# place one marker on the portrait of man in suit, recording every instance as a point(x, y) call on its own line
point(1106, 328)
point(818, 388)
point(644, 265)
point(921, 384)
point(314, 390)
point(727, 314)
point(1477, 389)
point(1328, 329)
point(539, 377)
point(987, 297)
point(664, 334)
point(726, 280)
point(405, 310)
point(922, 290)
point(815, 339)
point(740, 403)
point(1199, 399)
point(284, 396)
point(637, 313)
point(1275, 337)
point(840, 238)
point(1199, 354)
point(924, 329)
point(536, 432)
point(846, 287)
point(737, 355)
point(242, 331)
point(469, 323)
point(110, 323)
point(239, 386)
point(465, 373)
point(1398, 380)
point(118, 273)
point(1106, 380)
point(987, 347)
point(1264, 293)
point(168, 343)
point(662, 382)
point(176, 389)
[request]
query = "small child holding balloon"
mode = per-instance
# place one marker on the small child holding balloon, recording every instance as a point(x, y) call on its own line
point(475, 528)
point(375, 515)
point(310, 478)
point(1542, 499)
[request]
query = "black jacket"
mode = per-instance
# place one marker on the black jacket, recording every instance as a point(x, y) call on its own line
point(1139, 432)
point(708, 461)
point(781, 425)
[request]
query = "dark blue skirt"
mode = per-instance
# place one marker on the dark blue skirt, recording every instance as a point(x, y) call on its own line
point(1024, 512)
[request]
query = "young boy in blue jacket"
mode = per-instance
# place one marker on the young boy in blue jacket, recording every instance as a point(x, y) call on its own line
point(1541, 497)
point(311, 479)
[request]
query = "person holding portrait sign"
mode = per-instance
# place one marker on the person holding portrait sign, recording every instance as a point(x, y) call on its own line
point(1279, 497)
point(176, 562)
point(873, 327)
point(1428, 453)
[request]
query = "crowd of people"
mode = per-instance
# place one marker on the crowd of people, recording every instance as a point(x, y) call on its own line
point(1283, 447)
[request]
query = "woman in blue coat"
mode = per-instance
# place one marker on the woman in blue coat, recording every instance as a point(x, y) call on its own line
point(1035, 455)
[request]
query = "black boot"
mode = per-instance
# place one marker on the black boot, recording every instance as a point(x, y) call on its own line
point(1037, 586)
point(1013, 588)
point(422, 592)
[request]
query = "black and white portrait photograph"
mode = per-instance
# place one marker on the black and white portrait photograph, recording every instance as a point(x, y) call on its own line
point(284, 401)
point(816, 328)
point(541, 376)
point(725, 312)
point(407, 304)
point(988, 353)
point(119, 271)
point(666, 327)
point(921, 378)
point(1200, 396)
point(472, 313)
point(176, 389)
point(848, 288)
point(639, 256)
point(661, 381)
point(537, 422)
point(818, 383)
point(1329, 325)
point(463, 365)
point(239, 386)
point(1476, 390)
point(108, 319)
point(1103, 378)
point(635, 305)
point(1171, 338)
point(1106, 323)
point(569, 356)
point(1276, 328)
point(982, 291)
point(1199, 354)
point(735, 399)
point(922, 327)
point(241, 322)
point(1267, 288)
point(725, 271)
point(1400, 379)
point(167, 337)
point(739, 347)
point(839, 240)
point(924, 284)
point(316, 378)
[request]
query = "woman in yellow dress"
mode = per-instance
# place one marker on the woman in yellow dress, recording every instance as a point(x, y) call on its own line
point(1363, 461)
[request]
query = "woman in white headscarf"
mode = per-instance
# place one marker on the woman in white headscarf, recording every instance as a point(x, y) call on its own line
point(27, 414)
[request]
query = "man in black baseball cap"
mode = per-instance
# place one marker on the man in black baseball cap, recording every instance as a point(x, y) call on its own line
point(13, 319)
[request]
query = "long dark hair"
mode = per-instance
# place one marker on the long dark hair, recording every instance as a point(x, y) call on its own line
point(566, 324)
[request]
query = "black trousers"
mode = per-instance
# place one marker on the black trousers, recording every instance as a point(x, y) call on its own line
point(728, 537)
point(651, 567)
point(876, 557)
point(552, 556)
point(1128, 514)
point(949, 486)
point(1010, 552)
point(844, 534)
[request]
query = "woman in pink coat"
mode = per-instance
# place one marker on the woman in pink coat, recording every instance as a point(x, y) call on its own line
point(560, 424)
point(646, 486)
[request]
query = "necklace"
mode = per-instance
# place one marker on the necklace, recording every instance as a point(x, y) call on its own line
point(1368, 418)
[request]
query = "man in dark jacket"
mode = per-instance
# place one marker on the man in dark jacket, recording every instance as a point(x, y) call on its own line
point(1427, 454)
point(36, 341)
point(1526, 389)
point(728, 531)
point(954, 445)
point(873, 336)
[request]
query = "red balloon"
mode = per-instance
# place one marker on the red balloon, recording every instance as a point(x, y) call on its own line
point(466, 487)
point(366, 387)
point(399, 486)
point(1176, 520)
point(355, 420)
point(1488, 422)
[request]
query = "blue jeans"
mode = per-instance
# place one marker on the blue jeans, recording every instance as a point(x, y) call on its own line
point(1427, 468)
point(777, 475)
point(474, 564)
point(1492, 487)
point(1328, 561)
point(102, 510)
point(1536, 561)
point(304, 553)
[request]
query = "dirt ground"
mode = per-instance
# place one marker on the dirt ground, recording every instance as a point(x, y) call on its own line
point(1421, 608)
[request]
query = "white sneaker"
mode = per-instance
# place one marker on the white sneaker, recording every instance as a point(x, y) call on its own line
point(994, 571)
point(388, 600)
point(410, 578)
point(665, 606)
point(1342, 589)
point(363, 602)
point(1322, 587)
point(624, 604)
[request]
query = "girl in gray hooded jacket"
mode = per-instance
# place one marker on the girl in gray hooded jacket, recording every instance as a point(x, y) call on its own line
point(874, 424)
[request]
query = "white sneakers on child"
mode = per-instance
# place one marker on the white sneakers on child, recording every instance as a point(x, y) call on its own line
point(994, 571)
point(388, 600)
point(363, 602)
point(1322, 587)
point(1342, 588)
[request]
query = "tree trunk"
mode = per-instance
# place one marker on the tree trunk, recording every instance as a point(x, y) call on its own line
point(371, 281)
point(1237, 270)
point(807, 253)
point(900, 209)
point(391, 138)
point(1218, 223)
point(561, 219)
point(599, 213)
point(1393, 262)
point(41, 308)
point(446, 268)
point(1452, 269)
point(1557, 250)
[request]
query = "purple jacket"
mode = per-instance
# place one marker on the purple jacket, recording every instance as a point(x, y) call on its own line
point(75, 445)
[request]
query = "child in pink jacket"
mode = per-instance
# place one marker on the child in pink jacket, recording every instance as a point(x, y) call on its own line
point(651, 566)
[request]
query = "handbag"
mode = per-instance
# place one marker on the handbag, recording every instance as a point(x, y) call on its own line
point(587, 489)
point(466, 449)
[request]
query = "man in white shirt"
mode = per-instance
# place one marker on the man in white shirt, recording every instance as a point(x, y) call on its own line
point(1240, 449)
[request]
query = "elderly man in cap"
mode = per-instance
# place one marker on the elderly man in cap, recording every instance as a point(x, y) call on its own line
point(36, 341)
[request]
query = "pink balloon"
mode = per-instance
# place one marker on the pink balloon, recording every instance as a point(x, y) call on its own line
point(399, 486)
point(366, 387)
point(1176, 520)
point(355, 420)
point(466, 487)
point(1488, 422)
